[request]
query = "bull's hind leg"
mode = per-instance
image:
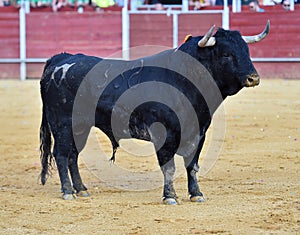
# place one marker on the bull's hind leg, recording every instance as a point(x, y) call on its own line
point(63, 149)
point(61, 154)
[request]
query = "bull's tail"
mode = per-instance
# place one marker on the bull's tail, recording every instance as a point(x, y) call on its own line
point(45, 148)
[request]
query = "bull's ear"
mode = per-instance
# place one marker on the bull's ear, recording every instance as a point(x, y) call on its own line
point(187, 37)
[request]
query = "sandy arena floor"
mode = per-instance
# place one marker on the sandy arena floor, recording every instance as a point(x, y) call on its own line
point(254, 187)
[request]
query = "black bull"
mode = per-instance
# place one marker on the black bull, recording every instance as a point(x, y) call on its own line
point(80, 91)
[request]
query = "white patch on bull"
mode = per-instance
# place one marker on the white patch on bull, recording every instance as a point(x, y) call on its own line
point(65, 68)
point(106, 75)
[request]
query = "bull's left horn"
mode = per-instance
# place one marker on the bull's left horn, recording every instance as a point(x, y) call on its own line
point(258, 37)
point(208, 40)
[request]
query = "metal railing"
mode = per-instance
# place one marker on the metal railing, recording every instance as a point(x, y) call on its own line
point(23, 60)
point(171, 10)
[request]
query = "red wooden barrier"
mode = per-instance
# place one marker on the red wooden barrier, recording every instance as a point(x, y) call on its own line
point(91, 33)
point(283, 40)
point(9, 35)
point(196, 24)
point(49, 33)
point(9, 41)
point(101, 35)
point(284, 36)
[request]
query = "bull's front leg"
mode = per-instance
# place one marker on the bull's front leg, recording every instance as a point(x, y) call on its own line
point(81, 139)
point(167, 165)
point(193, 187)
point(192, 167)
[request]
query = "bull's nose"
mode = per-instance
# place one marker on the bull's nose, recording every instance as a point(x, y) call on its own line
point(252, 80)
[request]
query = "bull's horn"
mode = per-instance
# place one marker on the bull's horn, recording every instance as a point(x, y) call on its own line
point(208, 40)
point(258, 37)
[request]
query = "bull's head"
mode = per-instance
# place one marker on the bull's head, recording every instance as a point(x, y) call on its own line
point(226, 56)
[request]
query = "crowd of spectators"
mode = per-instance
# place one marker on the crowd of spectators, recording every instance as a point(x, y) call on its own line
point(56, 5)
point(255, 5)
point(98, 5)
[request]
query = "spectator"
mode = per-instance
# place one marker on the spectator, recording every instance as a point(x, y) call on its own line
point(198, 4)
point(159, 3)
point(286, 5)
point(57, 4)
point(4, 3)
point(81, 4)
point(221, 2)
point(166, 2)
point(100, 4)
point(40, 3)
point(254, 6)
point(32, 3)
point(119, 3)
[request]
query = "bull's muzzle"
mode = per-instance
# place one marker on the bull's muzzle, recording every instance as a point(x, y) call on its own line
point(252, 80)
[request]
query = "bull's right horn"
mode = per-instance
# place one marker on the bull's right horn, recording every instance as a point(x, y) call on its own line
point(207, 40)
point(258, 37)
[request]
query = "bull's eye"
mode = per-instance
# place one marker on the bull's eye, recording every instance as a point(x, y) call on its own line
point(226, 55)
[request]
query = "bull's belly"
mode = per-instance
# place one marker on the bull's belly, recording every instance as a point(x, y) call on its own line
point(140, 133)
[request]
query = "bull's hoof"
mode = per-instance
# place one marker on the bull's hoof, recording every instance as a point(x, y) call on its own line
point(197, 199)
point(169, 201)
point(68, 196)
point(83, 194)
